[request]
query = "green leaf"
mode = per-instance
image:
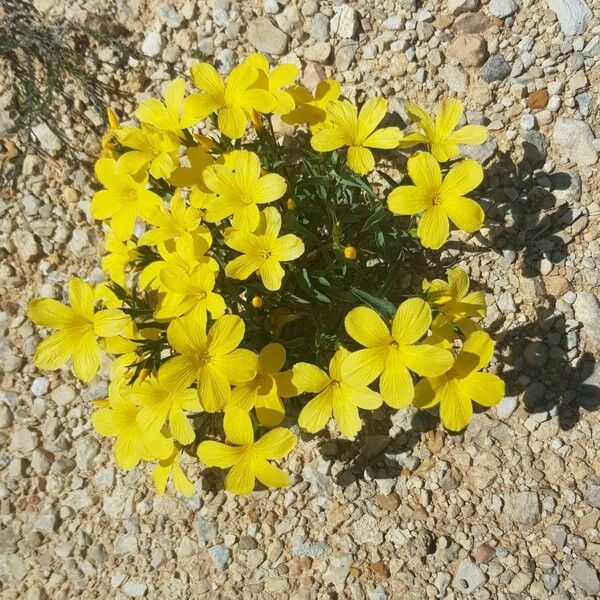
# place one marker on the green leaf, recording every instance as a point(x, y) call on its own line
point(380, 304)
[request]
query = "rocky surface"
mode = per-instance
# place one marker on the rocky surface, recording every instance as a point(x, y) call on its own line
point(508, 509)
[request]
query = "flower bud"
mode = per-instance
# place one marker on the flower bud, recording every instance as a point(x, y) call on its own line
point(257, 301)
point(350, 252)
point(290, 204)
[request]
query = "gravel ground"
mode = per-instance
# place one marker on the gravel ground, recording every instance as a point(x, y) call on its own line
point(509, 508)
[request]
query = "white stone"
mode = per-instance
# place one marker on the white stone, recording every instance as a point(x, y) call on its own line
point(152, 44)
point(573, 15)
point(573, 139)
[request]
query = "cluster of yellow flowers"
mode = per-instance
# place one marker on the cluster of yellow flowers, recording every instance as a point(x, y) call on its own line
point(172, 196)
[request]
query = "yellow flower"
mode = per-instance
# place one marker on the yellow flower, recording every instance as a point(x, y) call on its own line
point(265, 391)
point(439, 199)
point(120, 419)
point(171, 224)
point(464, 382)
point(176, 114)
point(189, 293)
point(240, 188)
point(248, 460)
point(123, 200)
point(233, 100)
point(311, 109)
point(162, 403)
point(151, 150)
point(78, 330)
point(185, 253)
point(392, 355)
point(443, 141)
point(281, 76)
point(348, 127)
point(263, 251)
point(120, 255)
point(109, 140)
point(199, 159)
point(455, 303)
point(171, 466)
point(340, 394)
point(213, 360)
point(350, 252)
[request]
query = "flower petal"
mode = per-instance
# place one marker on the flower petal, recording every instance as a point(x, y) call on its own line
point(243, 266)
point(315, 413)
point(469, 134)
point(366, 327)
point(456, 409)
point(232, 121)
point(425, 173)
point(271, 274)
point(187, 335)
point(309, 378)
point(49, 312)
point(365, 365)
point(110, 322)
point(241, 478)
point(465, 213)
point(81, 298)
point(239, 366)
point(213, 388)
point(207, 79)
point(271, 359)
point(385, 138)
point(421, 118)
point(238, 427)
point(216, 454)
point(486, 389)
point(180, 427)
point(270, 475)
point(462, 178)
point(328, 139)
point(345, 414)
point(409, 200)
point(268, 188)
point(458, 281)
point(447, 118)
point(433, 228)
point(427, 360)
point(275, 444)
point(287, 247)
point(396, 384)
point(480, 345)
point(425, 395)
point(86, 358)
point(360, 160)
point(370, 115)
point(225, 335)
point(411, 321)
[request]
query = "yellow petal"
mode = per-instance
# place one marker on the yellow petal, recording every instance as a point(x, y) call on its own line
point(344, 117)
point(275, 444)
point(160, 476)
point(458, 281)
point(427, 360)
point(246, 218)
point(216, 454)
point(433, 228)
point(421, 118)
point(444, 151)
point(287, 247)
point(239, 366)
point(370, 115)
point(425, 395)
point(182, 484)
point(309, 378)
point(411, 321)
point(270, 475)
point(469, 134)
point(181, 370)
point(271, 274)
point(479, 344)
point(180, 427)
point(52, 313)
point(225, 335)
point(315, 413)
point(104, 422)
point(465, 213)
point(425, 173)
point(448, 117)
point(365, 326)
point(409, 200)
point(128, 450)
point(86, 358)
point(81, 298)
point(456, 409)
point(243, 266)
point(396, 384)
point(268, 188)
point(259, 100)
point(365, 365)
point(238, 427)
point(328, 139)
point(271, 359)
point(241, 479)
point(345, 414)
point(360, 160)
point(461, 179)
point(232, 121)
point(213, 388)
point(187, 335)
point(385, 138)
point(365, 397)
point(486, 389)
point(207, 79)
point(155, 113)
point(336, 362)
point(110, 322)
